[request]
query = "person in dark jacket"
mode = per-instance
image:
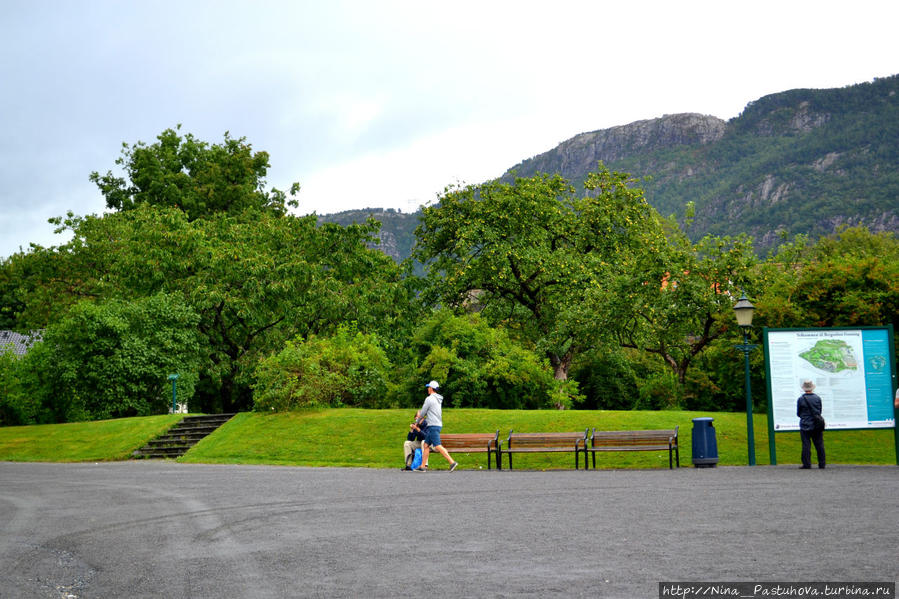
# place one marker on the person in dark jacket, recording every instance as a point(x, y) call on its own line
point(417, 431)
point(807, 407)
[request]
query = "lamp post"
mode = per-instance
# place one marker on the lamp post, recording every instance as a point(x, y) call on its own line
point(743, 310)
point(174, 379)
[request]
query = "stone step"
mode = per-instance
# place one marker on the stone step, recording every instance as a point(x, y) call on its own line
point(209, 417)
point(182, 437)
point(192, 430)
point(168, 441)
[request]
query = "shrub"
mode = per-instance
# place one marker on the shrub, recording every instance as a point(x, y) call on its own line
point(347, 369)
point(479, 367)
point(607, 380)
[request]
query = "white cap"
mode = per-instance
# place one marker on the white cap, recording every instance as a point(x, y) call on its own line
point(433, 385)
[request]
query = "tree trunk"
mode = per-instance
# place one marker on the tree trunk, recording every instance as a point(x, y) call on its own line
point(560, 365)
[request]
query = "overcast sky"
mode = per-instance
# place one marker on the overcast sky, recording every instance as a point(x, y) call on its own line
point(375, 103)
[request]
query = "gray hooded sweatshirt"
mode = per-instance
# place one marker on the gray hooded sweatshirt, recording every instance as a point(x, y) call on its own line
point(432, 410)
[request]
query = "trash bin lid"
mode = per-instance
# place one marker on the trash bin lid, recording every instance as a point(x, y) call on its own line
point(705, 419)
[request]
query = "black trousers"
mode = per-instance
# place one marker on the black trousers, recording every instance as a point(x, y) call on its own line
point(809, 437)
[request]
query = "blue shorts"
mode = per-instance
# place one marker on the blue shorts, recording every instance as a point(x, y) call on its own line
point(432, 436)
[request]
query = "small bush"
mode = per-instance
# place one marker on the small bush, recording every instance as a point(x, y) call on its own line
point(479, 367)
point(348, 369)
point(607, 380)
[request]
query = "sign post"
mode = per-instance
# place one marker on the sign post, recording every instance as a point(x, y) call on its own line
point(174, 379)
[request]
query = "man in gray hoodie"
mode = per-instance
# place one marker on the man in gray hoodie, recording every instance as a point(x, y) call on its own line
point(432, 411)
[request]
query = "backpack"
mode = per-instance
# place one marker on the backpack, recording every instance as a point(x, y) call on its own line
point(416, 458)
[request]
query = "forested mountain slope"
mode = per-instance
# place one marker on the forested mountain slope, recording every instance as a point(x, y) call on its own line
point(800, 161)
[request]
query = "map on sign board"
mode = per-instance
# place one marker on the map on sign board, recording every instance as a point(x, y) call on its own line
point(831, 355)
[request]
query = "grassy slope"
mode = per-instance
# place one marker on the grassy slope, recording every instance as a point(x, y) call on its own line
point(373, 438)
point(81, 441)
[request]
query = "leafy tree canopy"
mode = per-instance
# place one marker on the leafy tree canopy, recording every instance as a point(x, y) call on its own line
point(255, 280)
point(677, 312)
point(538, 257)
point(193, 176)
point(847, 279)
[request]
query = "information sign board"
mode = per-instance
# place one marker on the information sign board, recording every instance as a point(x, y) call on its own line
point(852, 370)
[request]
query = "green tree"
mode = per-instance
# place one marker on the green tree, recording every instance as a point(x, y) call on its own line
point(686, 299)
point(111, 359)
point(847, 279)
point(851, 279)
point(255, 279)
point(193, 176)
point(13, 408)
point(539, 258)
point(609, 378)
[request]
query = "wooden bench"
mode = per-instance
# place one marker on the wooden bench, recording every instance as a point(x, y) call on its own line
point(651, 440)
point(473, 443)
point(544, 443)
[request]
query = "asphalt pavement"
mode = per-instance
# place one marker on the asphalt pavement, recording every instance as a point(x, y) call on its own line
point(163, 529)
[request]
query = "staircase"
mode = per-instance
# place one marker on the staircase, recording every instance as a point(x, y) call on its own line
point(179, 439)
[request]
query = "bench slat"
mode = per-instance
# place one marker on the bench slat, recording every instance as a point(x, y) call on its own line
point(545, 443)
point(648, 440)
point(473, 443)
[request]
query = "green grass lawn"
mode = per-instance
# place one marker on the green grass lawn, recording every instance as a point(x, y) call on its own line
point(104, 440)
point(374, 439)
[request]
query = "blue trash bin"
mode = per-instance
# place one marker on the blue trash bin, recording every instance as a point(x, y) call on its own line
point(705, 446)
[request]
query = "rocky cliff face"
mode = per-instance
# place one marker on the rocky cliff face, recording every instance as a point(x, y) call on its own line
point(387, 244)
point(801, 119)
point(580, 154)
point(396, 235)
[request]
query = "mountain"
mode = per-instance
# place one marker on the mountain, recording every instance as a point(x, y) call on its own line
point(800, 161)
point(397, 234)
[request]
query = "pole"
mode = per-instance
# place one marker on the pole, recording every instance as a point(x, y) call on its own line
point(749, 428)
point(750, 433)
point(174, 379)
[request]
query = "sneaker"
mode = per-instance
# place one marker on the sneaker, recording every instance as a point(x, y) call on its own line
point(453, 466)
point(421, 469)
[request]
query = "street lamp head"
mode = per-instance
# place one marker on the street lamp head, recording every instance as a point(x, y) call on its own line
point(743, 310)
